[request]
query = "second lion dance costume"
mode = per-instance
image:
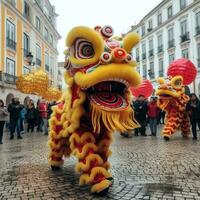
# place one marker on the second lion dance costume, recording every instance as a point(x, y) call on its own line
point(172, 98)
point(99, 71)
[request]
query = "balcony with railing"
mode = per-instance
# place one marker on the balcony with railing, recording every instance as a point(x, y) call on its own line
point(185, 37)
point(143, 56)
point(160, 49)
point(38, 62)
point(11, 43)
point(197, 30)
point(8, 78)
point(151, 53)
point(149, 30)
point(171, 43)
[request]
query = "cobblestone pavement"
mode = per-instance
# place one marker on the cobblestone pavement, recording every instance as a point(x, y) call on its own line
point(143, 168)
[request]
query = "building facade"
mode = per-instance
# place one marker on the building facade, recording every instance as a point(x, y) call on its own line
point(27, 26)
point(170, 31)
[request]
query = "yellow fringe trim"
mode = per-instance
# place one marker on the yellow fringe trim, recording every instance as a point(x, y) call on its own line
point(53, 145)
point(76, 138)
point(84, 150)
point(113, 120)
point(101, 186)
point(86, 179)
point(85, 167)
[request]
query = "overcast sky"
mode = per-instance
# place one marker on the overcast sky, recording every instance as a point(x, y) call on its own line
point(120, 14)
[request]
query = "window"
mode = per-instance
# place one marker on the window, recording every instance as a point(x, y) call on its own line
point(151, 44)
point(170, 34)
point(151, 47)
point(170, 37)
point(198, 23)
point(159, 19)
point(184, 31)
point(185, 53)
point(198, 56)
point(143, 51)
point(137, 55)
point(38, 55)
point(26, 10)
point(51, 39)
point(10, 35)
point(143, 30)
point(183, 27)
point(47, 62)
point(144, 71)
point(10, 66)
point(51, 65)
point(160, 43)
point(37, 23)
point(150, 25)
point(46, 33)
point(151, 70)
point(26, 44)
point(26, 70)
point(182, 4)
point(161, 69)
point(169, 12)
point(171, 58)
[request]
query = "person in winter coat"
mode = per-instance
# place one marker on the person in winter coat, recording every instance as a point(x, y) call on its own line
point(14, 108)
point(140, 108)
point(21, 120)
point(153, 112)
point(31, 117)
point(43, 113)
point(193, 107)
point(3, 119)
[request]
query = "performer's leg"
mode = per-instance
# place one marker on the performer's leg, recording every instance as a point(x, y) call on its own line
point(185, 125)
point(91, 164)
point(172, 123)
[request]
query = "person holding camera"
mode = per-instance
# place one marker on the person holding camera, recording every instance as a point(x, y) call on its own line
point(14, 108)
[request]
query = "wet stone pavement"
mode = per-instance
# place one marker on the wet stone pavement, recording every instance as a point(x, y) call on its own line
point(143, 168)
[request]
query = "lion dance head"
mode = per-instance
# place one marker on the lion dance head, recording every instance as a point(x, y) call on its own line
point(100, 70)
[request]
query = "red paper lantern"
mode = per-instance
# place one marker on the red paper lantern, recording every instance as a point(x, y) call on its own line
point(146, 89)
point(183, 67)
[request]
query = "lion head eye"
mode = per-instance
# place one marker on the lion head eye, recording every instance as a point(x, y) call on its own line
point(82, 49)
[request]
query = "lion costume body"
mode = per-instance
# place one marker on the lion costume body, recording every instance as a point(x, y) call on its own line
point(173, 100)
point(99, 71)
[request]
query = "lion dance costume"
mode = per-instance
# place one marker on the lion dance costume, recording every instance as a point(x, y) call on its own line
point(172, 98)
point(99, 71)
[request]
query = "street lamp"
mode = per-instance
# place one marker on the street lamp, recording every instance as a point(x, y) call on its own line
point(29, 57)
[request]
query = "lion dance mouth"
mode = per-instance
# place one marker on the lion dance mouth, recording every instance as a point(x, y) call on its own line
point(99, 72)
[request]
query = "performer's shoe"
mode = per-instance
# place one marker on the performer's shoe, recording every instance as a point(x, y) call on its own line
point(166, 138)
point(105, 190)
point(55, 168)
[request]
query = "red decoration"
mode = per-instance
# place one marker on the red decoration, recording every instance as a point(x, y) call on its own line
point(146, 89)
point(183, 67)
